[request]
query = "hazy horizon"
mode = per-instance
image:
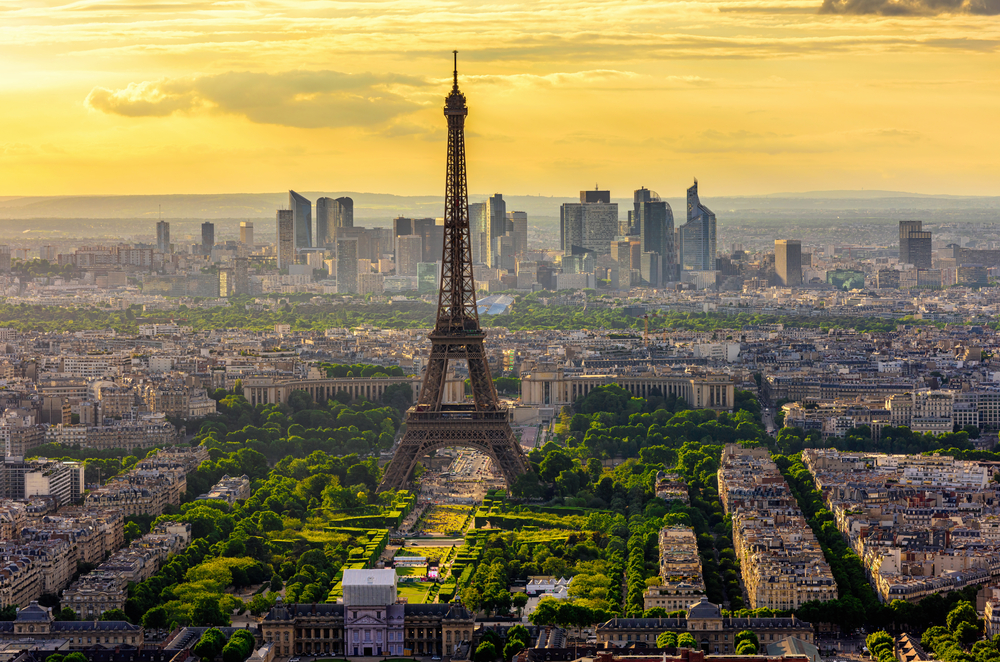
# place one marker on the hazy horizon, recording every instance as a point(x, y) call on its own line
point(125, 97)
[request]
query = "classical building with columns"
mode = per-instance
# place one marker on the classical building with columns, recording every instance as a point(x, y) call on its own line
point(556, 386)
point(371, 621)
point(265, 390)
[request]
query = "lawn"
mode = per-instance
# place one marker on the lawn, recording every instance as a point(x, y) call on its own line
point(415, 593)
point(444, 518)
point(432, 553)
point(411, 572)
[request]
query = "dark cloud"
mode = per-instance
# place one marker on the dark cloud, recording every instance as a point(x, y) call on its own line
point(911, 7)
point(308, 99)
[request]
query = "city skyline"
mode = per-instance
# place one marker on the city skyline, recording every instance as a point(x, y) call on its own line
point(776, 96)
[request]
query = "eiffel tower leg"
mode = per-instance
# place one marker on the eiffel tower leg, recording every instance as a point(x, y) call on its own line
point(397, 473)
point(483, 391)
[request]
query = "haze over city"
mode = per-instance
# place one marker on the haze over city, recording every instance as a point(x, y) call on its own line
point(122, 97)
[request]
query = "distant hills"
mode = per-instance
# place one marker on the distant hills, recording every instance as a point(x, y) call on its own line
point(383, 206)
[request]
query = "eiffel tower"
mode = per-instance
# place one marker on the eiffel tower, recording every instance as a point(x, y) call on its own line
point(483, 424)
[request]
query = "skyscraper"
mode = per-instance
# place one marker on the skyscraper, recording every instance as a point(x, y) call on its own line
point(697, 236)
point(301, 219)
point(589, 225)
point(286, 238)
point(331, 215)
point(641, 194)
point(654, 222)
point(347, 265)
point(477, 231)
point(914, 244)
point(409, 253)
point(246, 234)
point(207, 237)
point(788, 261)
point(519, 219)
point(241, 276)
point(163, 237)
point(433, 238)
point(621, 273)
point(496, 226)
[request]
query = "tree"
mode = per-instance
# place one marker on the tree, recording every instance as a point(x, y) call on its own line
point(746, 636)
point(66, 614)
point(75, 657)
point(207, 611)
point(114, 615)
point(519, 600)
point(546, 613)
point(967, 633)
point(746, 648)
point(155, 618)
point(685, 640)
point(666, 640)
point(210, 644)
point(963, 612)
point(486, 652)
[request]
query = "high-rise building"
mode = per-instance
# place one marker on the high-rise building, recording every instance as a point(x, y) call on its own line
point(650, 270)
point(207, 238)
point(505, 253)
point(301, 219)
point(241, 276)
point(347, 265)
point(163, 237)
point(641, 194)
point(589, 225)
point(496, 226)
point(621, 272)
point(433, 236)
point(477, 232)
point(409, 253)
point(331, 215)
point(654, 222)
point(344, 212)
point(914, 244)
point(788, 261)
point(227, 282)
point(697, 236)
point(286, 239)
point(519, 220)
point(370, 283)
point(246, 234)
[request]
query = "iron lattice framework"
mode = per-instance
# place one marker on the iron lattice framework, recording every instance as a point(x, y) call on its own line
point(431, 423)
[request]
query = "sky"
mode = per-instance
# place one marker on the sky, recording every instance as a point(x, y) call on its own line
point(749, 96)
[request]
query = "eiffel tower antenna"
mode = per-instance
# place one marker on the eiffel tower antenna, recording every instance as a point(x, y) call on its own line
point(483, 424)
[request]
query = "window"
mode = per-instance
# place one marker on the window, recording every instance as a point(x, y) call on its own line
point(378, 614)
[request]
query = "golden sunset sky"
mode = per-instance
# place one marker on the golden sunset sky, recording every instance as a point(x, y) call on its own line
point(750, 96)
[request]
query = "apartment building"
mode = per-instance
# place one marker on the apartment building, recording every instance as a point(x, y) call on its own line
point(920, 524)
point(782, 563)
point(681, 581)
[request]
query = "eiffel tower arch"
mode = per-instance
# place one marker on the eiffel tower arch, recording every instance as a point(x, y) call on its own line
point(483, 424)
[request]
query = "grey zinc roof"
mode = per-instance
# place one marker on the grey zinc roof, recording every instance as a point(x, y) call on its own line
point(369, 587)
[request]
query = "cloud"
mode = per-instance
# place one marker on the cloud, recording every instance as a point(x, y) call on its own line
point(911, 7)
point(307, 99)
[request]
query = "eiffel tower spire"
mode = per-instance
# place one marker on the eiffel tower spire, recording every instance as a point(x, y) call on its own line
point(431, 424)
